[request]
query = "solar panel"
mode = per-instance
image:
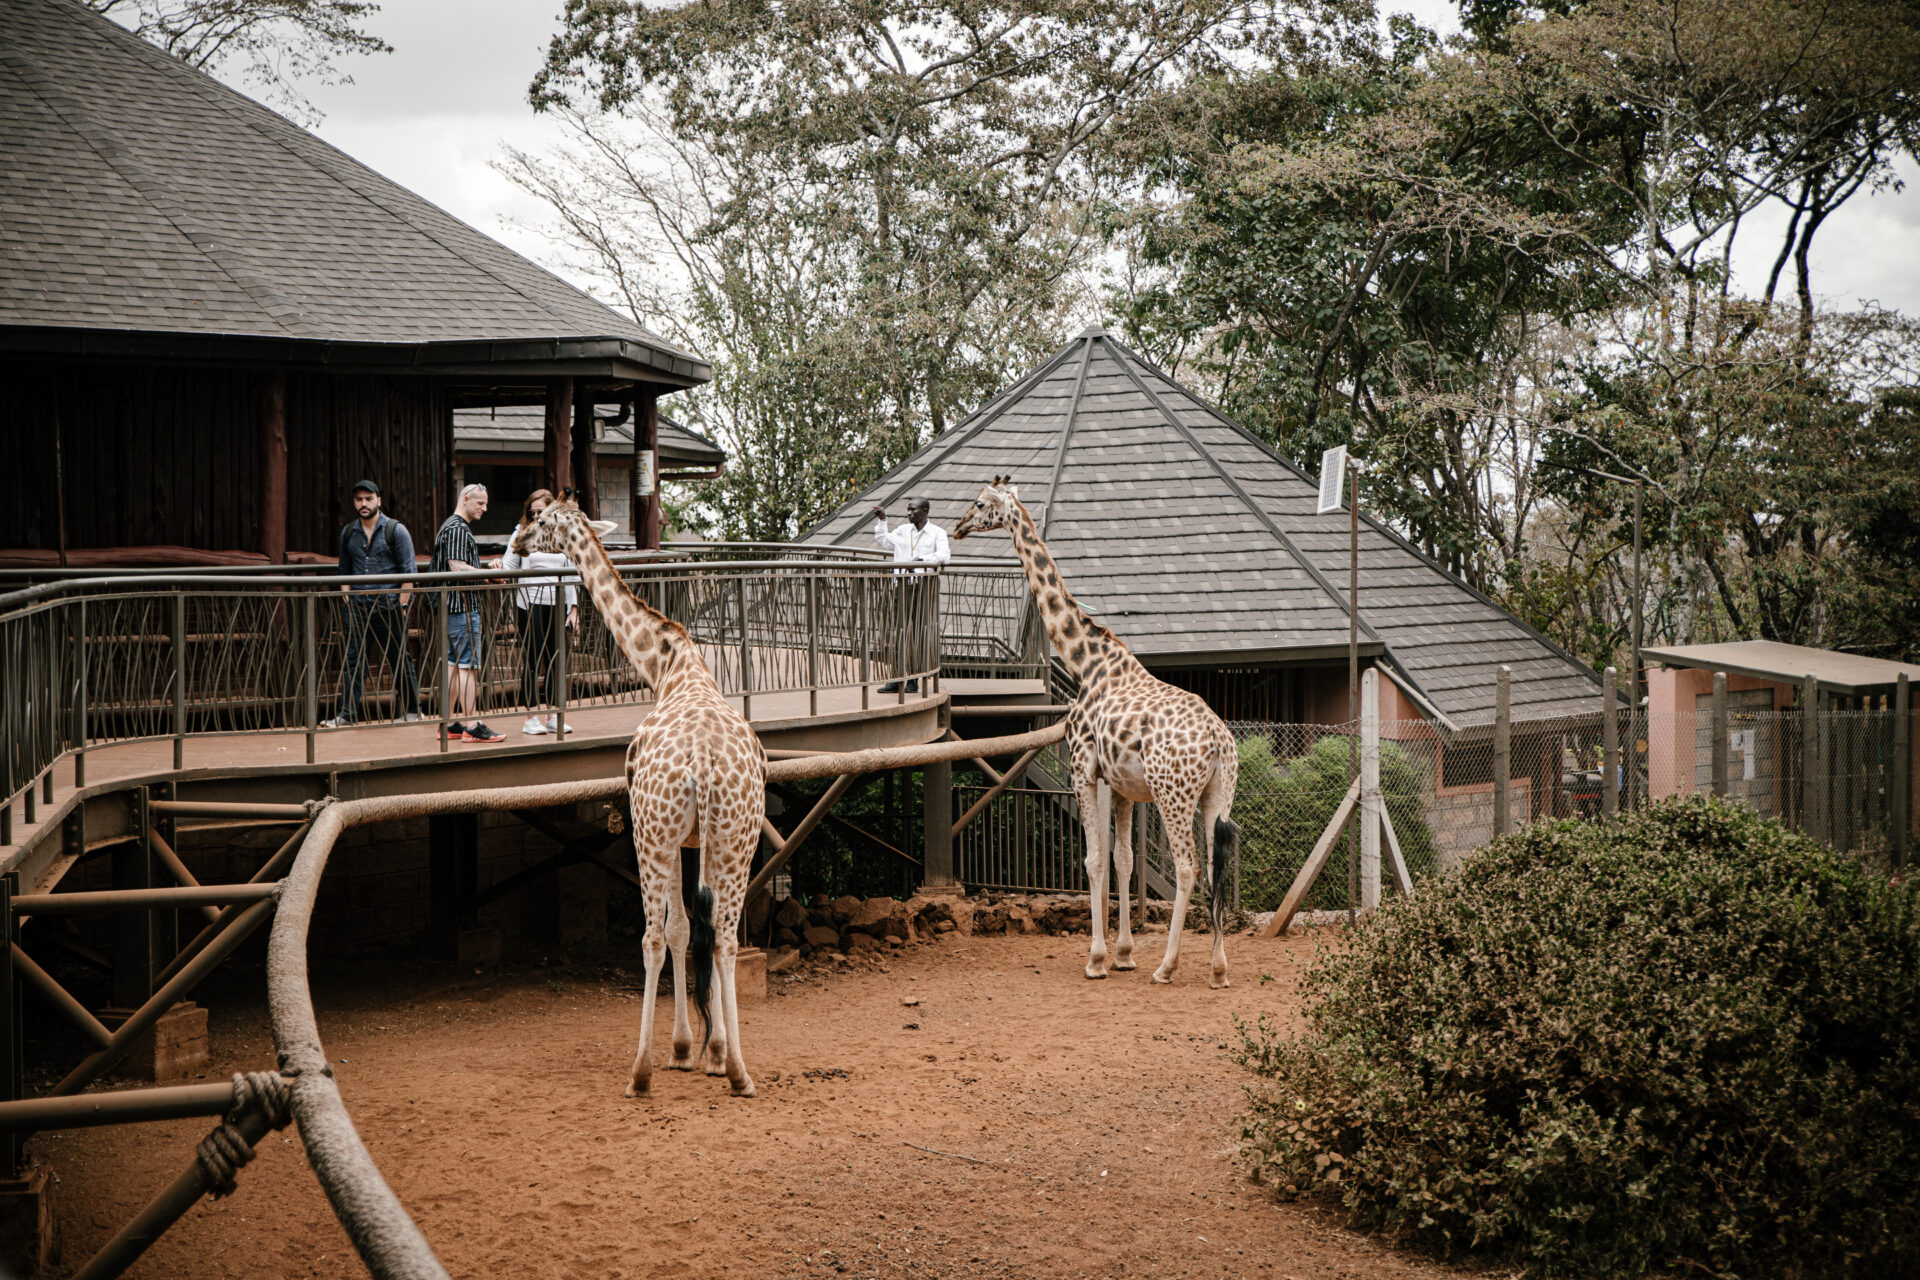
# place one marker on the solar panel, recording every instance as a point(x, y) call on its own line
point(1333, 471)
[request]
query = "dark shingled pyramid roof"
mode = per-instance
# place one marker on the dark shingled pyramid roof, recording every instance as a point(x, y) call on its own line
point(1198, 544)
point(138, 195)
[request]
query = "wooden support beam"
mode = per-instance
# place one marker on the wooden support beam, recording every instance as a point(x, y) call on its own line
point(586, 476)
point(1400, 872)
point(272, 421)
point(877, 759)
point(1310, 870)
point(557, 441)
point(1000, 784)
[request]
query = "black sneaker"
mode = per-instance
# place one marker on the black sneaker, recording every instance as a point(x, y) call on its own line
point(477, 732)
point(456, 731)
point(891, 686)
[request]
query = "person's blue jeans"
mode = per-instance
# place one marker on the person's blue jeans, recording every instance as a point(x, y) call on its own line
point(378, 625)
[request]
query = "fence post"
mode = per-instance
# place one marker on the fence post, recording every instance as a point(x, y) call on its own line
point(179, 679)
point(1810, 757)
point(866, 643)
point(1502, 749)
point(813, 643)
point(746, 652)
point(1610, 744)
point(80, 711)
point(446, 669)
point(1902, 768)
point(1370, 790)
point(11, 1077)
point(562, 638)
point(1717, 748)
point(310, 625)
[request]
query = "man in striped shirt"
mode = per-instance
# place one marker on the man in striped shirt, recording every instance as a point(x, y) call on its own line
point(454, 549)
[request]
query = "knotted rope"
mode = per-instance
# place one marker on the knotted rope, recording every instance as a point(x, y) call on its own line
point(226, 1149)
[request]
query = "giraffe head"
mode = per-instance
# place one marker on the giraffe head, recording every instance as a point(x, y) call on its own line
point(552, 528)
point(991, 509)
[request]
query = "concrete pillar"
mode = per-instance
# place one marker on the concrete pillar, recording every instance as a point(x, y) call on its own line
point(1717, 752)
point(1502, 751)
point(1610, 744)
point(1370, 790)
point(646, 470)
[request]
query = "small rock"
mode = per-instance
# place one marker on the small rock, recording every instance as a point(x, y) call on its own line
point(910, 1001)
point(843, 909)
point(895, 942)
point(862, 942)
point(945, 926)
point(782, 959)
point(820, 935)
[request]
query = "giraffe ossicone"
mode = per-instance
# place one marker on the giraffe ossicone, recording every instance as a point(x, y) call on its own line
point(696, 778)
point(1130, 739)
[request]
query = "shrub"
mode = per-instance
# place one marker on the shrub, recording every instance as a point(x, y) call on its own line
point(1282, 806)
point(1682, 1042)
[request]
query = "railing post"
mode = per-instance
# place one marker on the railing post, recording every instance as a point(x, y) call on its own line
point(310, 613)
point(558, 619)
point(445, 676)
point(866, 642)
point(80, 710)
point(813, 643)
point(934, 637)
point(1717, 772)
point(1502, 749)
point(1610, 744)
point(746, 652)
point(179, 679)
point(901, 586)
point(1370, 790)
point(1902, 768)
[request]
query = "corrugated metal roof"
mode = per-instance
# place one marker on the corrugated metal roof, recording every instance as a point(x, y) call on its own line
point(1844, 673)
point(143, 197)
point(1192, 540)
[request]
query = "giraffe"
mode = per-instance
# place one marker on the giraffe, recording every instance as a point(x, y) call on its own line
point(1130, 738)
point(696, 777)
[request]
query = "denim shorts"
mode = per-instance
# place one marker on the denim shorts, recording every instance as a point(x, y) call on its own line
point(463, 639)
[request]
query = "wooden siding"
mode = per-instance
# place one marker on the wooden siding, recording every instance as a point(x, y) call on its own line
point(169, 456)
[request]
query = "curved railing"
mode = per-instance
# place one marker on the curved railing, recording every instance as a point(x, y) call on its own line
point(92, 660)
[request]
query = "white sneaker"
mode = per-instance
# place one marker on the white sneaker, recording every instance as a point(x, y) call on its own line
point(553, 724)
point(336, 723)
point(534, 725)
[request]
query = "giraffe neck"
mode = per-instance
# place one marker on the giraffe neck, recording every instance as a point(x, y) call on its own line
point(640, 630)
point(1091, 652)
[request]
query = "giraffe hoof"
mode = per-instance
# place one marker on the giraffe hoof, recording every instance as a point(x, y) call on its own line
point(639, 1088)
point(1125, 965)
point(743, 1088)
point(1219, 983)
point(1162, 979)
point(682, 1062)
point(1095, 973)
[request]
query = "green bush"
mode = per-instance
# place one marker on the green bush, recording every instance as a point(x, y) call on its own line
point(1282, 806)
point(1685, 1042)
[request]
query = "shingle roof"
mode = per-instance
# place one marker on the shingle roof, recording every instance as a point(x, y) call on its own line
point(142, 196)
point(1193, 540)
point(521, 429)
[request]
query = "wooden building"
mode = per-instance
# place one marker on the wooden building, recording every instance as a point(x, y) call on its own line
point(212, 322)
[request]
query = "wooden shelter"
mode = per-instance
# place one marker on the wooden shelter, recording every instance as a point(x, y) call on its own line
point(212, 322)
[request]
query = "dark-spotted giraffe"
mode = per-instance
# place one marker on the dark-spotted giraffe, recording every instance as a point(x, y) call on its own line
point(696, 777)
point(1130, 738)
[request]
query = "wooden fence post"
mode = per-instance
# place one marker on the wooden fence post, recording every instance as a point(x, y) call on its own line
point(1502, 749)
point(1610, 744)
point(1717, 747)
point(1370, 790)
point(1902, 768)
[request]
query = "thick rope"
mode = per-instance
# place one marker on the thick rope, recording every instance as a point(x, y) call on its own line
point(223, 1152)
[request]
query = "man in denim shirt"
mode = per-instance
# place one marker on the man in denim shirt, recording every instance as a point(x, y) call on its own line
point(454, 550)
point(376, 614)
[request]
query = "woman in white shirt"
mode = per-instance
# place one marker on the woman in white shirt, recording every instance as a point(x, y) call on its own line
point(539, 614)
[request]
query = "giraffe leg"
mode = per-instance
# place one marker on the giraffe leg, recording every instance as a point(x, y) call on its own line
point(1176, 812)
point(654, 949)
point(1096, 799)
point(1123, 880)
point(677, 935)
point(729, 998)
point(716, 1057)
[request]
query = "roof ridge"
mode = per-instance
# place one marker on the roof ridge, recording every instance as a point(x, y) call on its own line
point(1384, 530)
point(1246, 499)
point(967, 429)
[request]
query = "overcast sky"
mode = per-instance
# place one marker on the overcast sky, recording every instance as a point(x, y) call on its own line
point(432, 114)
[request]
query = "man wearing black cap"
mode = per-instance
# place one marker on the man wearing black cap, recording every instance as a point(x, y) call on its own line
point(376, 615)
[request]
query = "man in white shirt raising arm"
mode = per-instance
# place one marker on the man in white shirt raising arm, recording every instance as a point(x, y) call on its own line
point(917, 542)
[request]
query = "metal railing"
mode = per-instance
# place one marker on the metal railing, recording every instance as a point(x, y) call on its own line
point(91, 661)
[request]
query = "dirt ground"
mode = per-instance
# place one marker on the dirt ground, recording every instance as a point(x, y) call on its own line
point(1076, 1129)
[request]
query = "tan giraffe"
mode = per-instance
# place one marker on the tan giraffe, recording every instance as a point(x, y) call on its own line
point(696, 777)
point(1130, 738)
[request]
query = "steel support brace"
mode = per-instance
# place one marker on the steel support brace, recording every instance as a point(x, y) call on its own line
point(128, 1106)
point(60, 998)
point(1000, 784)
point(200, 895)
point(272, 869)
point(175, 867)
point(789, 845)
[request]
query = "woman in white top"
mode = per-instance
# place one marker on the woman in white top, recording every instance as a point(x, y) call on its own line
point(539, 613)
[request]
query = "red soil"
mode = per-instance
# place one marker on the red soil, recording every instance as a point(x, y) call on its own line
point(1101, 1115)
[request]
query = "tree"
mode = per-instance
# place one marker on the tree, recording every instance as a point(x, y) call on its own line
point(281, 42)
point(916, 182)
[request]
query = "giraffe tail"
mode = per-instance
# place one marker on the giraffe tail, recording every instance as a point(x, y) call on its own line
point(697, 898)
point(1226, 843)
